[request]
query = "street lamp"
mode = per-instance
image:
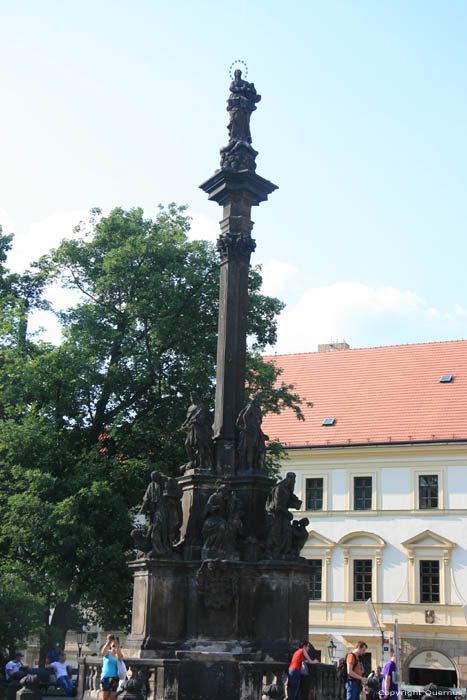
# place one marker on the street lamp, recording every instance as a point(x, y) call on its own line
point(80, 637)
point(331, 649)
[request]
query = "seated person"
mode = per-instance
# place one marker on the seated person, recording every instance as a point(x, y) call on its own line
point(14, 670)
point(62, 673)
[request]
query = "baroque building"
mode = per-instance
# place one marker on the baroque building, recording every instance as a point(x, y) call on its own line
point(381, 465)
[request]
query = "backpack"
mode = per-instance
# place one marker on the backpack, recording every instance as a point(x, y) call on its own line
point(342, 668)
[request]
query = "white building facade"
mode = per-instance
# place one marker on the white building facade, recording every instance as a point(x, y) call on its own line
point(381, 467)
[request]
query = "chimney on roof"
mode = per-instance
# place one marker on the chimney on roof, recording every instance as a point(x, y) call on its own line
point(327, 347)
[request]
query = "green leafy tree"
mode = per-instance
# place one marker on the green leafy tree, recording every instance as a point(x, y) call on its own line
point(21, 614)
point(83, 424)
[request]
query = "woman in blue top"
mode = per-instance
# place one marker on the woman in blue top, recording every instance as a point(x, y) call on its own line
point(109, 677)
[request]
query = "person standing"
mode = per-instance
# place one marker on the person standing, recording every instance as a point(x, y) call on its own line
point(62, 674)
point(390, 688)
point(299, 656)
point(111, 654)
point(355, 676)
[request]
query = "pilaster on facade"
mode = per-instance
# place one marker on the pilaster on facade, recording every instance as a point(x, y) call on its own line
point(320, 547)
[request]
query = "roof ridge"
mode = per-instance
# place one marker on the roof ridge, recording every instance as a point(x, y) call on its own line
point(370, 347)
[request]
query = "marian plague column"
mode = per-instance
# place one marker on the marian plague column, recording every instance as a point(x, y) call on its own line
point(219, 582)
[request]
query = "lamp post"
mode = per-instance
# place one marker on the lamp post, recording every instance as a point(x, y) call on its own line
point(80, 637)
point(331, 649)
point(375, 624)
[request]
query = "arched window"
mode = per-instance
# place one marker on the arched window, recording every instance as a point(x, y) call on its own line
point(318, 549)
point(363, 552)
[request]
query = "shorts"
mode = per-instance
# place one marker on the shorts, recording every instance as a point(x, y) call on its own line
point(109, 683)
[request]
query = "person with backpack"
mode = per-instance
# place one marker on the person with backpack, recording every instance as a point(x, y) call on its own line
point(374, 684)
point(353, 671)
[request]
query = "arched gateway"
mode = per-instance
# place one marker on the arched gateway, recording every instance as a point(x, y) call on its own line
point(431, 666)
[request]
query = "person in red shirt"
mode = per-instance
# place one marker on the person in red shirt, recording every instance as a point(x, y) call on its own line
point(299, 656)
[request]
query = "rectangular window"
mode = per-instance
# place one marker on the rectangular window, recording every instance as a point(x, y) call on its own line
point(314, 494)
point(428, 491)
point(362, 492)
point(429, 581)
point(316, 577)
point(362, 569)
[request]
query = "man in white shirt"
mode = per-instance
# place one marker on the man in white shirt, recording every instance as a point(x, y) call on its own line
point(14, 666)
point(62, 671)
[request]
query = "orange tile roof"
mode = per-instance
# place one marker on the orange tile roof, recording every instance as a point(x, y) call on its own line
point(377, 395)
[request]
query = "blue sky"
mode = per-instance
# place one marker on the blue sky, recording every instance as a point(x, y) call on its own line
point(362, 126)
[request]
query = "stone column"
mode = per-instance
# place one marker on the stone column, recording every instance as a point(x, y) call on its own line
point(168, 680)
point(251, 681)
point(236, 192)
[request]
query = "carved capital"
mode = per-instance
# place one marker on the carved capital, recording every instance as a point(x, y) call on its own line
point(235, 247)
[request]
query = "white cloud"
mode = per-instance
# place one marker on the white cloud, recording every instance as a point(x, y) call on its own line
point(364, 317)
point(276, 275)
point(434, 312)
point(203, 227)
point(43, 235)
point(7, 222)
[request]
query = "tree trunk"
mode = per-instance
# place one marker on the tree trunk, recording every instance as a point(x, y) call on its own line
point(55, 631)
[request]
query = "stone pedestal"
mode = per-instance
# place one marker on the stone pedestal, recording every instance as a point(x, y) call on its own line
point(248, 608)
point(197, 487)
point(251, 490)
